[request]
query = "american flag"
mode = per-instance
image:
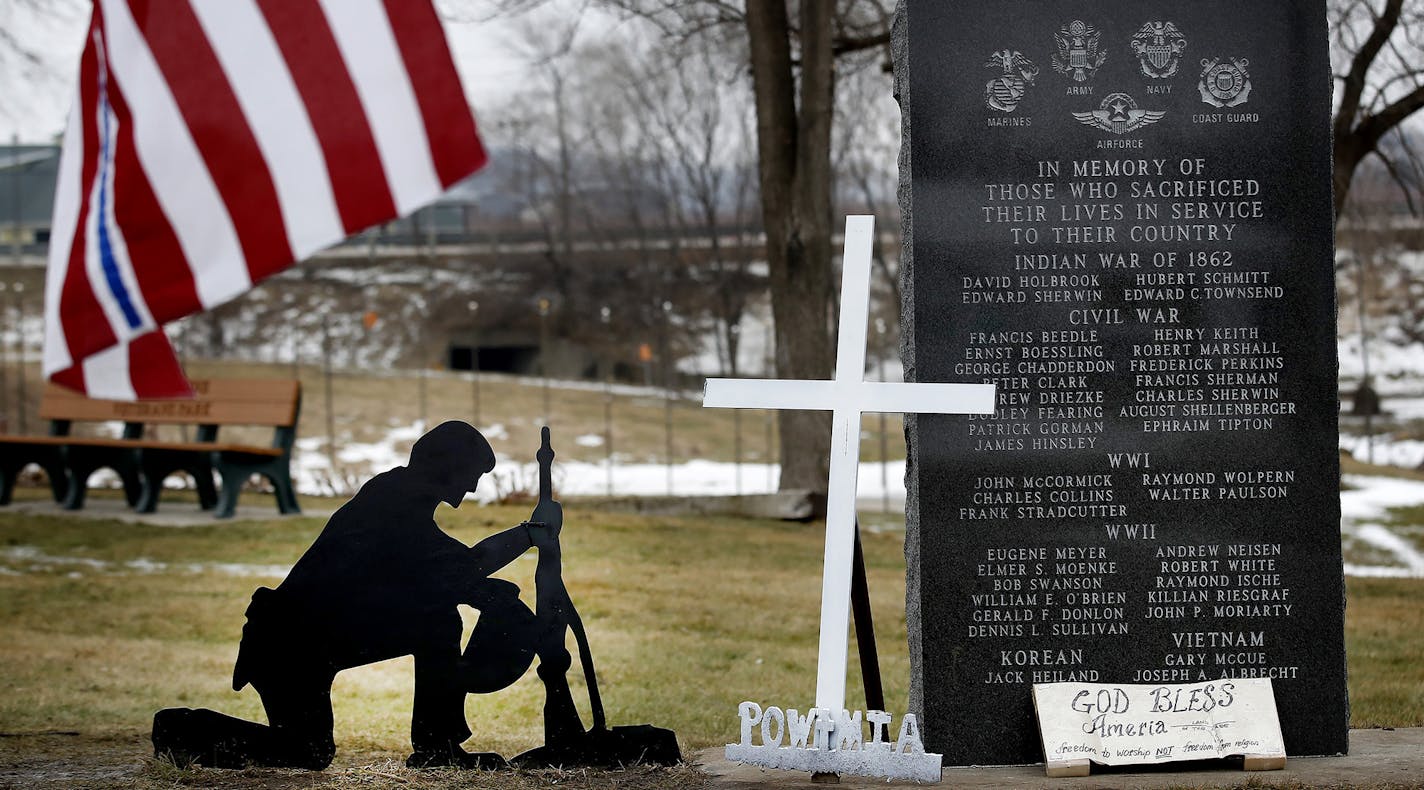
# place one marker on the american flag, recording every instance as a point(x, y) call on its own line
point(215, 142)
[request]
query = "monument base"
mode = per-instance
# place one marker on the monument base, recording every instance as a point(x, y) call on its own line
point(882, 763)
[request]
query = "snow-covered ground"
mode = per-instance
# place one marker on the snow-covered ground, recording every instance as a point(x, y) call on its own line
point(1374, 546)
point(1362, 509)
point(22, 559)
point(311, 472)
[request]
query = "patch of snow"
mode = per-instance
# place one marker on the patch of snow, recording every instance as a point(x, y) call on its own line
point(384, 454)
point(1406, 407)
point(1395, 368)
point(693, 478)
point(30, 558)
point(1371, 496)
point(1361, 510)
point(1382, 450)
point(1380, 537)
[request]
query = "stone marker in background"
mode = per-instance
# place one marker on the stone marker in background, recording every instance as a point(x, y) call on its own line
point(1122, 217)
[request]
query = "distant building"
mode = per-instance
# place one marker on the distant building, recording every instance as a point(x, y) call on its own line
point(27, 177)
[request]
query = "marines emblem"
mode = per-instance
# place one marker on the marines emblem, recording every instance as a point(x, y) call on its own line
point(1119, 114)
point(1224, 83)
point(1159, 47)
point(1078, 50)
point(1003, 93)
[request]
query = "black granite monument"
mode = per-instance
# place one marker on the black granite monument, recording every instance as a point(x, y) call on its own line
point(1120, 213)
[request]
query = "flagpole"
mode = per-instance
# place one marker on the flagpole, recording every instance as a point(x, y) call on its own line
point(19, 197)
point(18, 289)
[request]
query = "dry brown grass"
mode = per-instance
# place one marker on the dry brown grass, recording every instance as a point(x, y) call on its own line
point(687, 616)
point(1384, 631)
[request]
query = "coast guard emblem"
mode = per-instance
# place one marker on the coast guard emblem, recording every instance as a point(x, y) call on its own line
point(1159, 47)
point(1078, 54)
point(1224, 83)
point(1003, 93)
point(1119, 114)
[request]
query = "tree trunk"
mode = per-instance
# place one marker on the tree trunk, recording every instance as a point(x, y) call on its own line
point(1347, 158)
point(795, 168)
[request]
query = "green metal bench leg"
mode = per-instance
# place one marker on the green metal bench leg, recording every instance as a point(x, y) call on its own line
point(232, 481)
point(58, 480)
point(53, 469)
point(84, 463)
point(156, 464)
point(207, 492)
point(133, 486)
point(282, 487)
point(148, 495)
point(78, 488)
point(8, 474)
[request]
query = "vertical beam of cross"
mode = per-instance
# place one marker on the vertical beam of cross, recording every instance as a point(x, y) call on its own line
point(846, 397)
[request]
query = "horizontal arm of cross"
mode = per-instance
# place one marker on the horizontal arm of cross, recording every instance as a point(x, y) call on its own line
point(861, 396)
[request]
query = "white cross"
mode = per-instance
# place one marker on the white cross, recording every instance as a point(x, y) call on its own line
point(846, 397)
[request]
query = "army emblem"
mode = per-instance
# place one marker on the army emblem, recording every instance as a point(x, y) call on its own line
point(1078, 54)
point(1159, 47)
point(1003, 93)
point(1224, 83)
point(1119, 114)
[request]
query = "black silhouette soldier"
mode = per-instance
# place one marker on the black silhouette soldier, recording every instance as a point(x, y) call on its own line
point(383, 580)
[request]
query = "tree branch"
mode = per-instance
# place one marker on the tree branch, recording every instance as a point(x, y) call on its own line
point(1355, 80)
point(1399, 181)
point(843, 45)
point(1374, 127)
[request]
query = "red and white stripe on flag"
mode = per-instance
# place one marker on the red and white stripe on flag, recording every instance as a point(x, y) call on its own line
point(215, 142)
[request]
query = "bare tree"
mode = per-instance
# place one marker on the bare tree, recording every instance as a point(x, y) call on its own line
point(691, 107)
point(40, 41)
point(867, 145)
point(1378, 50)
point(793, 70)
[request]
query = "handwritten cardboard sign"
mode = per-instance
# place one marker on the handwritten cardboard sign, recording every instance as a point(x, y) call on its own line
point(1125, 724)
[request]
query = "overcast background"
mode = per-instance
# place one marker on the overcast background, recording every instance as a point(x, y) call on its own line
point(37, 85)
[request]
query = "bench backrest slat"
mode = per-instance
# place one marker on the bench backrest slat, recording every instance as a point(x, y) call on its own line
point(219, 402)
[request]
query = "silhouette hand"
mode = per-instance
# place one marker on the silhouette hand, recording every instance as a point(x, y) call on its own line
point(545, 523)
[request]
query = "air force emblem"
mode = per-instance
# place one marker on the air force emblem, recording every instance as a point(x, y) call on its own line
point(1078, 54)
point(1159, 47)
point(1224, 83)
point(1003, 93)
point(1119, 114)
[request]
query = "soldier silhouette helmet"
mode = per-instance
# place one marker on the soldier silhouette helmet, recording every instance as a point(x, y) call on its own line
point(452, 457)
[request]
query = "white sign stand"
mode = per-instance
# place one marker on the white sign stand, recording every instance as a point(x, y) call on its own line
point(846, 396)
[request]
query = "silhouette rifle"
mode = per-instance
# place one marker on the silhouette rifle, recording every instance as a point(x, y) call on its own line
point(570, 615)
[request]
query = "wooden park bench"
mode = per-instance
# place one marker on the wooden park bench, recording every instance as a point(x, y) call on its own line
point(142, 462)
